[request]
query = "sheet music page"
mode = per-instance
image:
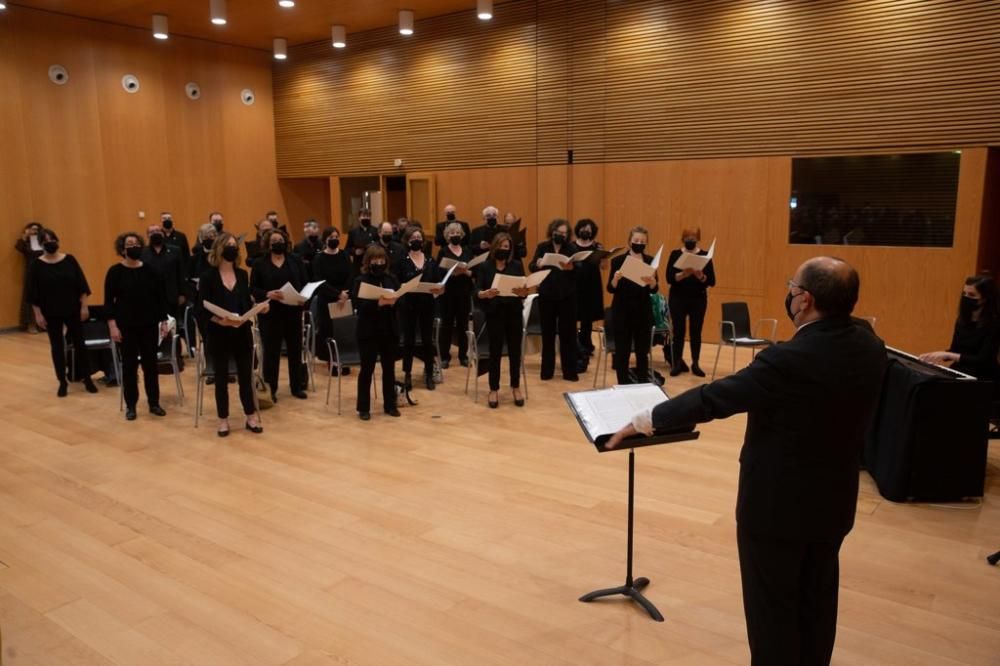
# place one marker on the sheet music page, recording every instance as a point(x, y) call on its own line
point(553, 259)
point(635, 269)
point(694, 261)
point(338, 310)
point(447, 275)
point(507, 283)
point(220, 312)
point(253, 311)
point(606, 411)
point(291, 296)
point(409, 286)
point(536, 278)
point(310, 289)
point(478, 260)
point(582, 255)
point(35, 245)
point(447, 263)
point(371, 292)
point(656, 259)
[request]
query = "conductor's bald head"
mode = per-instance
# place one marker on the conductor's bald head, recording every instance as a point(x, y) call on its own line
point(831, 287)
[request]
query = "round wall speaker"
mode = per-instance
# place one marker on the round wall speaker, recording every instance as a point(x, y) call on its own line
point(192, 90)
point(247, 96)
point(58, 75)
point(130, 83)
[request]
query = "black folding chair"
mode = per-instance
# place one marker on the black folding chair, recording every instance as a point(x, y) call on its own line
point(735, 332)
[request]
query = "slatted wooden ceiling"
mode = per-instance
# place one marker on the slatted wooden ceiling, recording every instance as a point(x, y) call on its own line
point(646, 79)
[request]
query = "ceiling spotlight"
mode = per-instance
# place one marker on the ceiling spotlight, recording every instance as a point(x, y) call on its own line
point(3, 5)
point(280, 48)
point(484, 9)
point(287, 4)
point(339, 35)
point(160, 26)
point(405, 22)
point(217, 10)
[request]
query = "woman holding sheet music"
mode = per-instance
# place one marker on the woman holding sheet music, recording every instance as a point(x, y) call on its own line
point(227, 286)
point(631, 312)
point(418, 309)
point(456, 301)
point(378, 331)
point(590, 290)
point(557, 302)
point(688, 300)
point(504, 316)
point(284, 321)
point(334, 268)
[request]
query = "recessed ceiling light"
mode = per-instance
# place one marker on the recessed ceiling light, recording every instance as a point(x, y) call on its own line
point(160, 30)
point(217, 11)
point(339, 35)
point(405, 22)
point(287, 4)
point(484, 9)
point(280, 48)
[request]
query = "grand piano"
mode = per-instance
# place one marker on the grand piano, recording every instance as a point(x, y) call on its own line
point(928, 441)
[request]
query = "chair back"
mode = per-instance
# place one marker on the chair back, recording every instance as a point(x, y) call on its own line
point(345, 331)
point(477, 323)
point(609, 332)
point(96, 334)
point(534, 325)
point(739, 314)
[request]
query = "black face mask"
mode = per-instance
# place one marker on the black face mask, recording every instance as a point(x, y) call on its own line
point(230, 252)
point(168, 223)
point(333, 243)
point(585, 234)
point(273, 221)
point(133, 252)
point(558, 239)
point(690, 244)
point(51, 247)
point(156, 240)
point(788, 305)
point(386, 238)
point(455, 240)
point(278, 248)
point(449, 216)
point(365, 222)
point(638, 248)
point(416, 245)
point(376, 269)
point(207, 244)
point(218, 225)
point(491, 221)
point(968, 305)
point(502, 255)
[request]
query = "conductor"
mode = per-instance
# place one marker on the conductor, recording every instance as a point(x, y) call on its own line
point(809, 402)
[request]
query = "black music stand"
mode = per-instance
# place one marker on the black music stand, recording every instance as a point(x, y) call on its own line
point(633, 586)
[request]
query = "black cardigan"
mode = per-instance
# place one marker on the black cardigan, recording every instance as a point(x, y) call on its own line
point(211, 289)
point(374, 320)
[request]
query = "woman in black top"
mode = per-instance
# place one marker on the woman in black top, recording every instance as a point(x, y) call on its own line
point(631, 312)
point(284, 321)
point(334, 268)
point(504, 316)
point(975, 343)
point(378, 331)
point(58, 291)
point(688, 299)
point(200, 252)
point(557, 303)
point(417, 310)
point(30, 247)
point(136, 308)
point(590, 287)
point(228, 287)
point(456, 301)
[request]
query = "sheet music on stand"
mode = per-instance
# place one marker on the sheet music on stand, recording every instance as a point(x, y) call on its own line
point(603, 412)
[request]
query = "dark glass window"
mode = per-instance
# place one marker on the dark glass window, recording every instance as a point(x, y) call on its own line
point(875, 199)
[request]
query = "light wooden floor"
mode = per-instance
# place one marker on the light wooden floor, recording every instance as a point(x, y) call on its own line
point(454, 535)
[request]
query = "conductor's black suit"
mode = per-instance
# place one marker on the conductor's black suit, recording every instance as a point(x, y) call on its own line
point(809, 402)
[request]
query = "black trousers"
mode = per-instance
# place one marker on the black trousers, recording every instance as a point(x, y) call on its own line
point(74, 331)
point(139, 343)
point(558, 316)
point(418, 317)
point(504, 325)
point(223, 343)
point(789, 598)
point(586, 335)
point(681, 309)
point(275, 328)
point(631, 337)
point(455, 309)
point(383, 347)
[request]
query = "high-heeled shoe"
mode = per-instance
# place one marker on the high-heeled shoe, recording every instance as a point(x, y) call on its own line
point(63, 389)
point(518, 402)
point(223, 433)
point(88, 384)
point(255, 429)
point(493, 402)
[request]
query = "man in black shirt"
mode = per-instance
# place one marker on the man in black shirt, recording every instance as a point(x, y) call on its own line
point(393, 249)
point(175, 238)
point(311, 244)
point(215, 219)
point(481, 237)
point(166, 261)
point(449, 217)
point(360, 237)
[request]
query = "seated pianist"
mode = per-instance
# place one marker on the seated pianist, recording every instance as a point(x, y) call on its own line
point(976, 340)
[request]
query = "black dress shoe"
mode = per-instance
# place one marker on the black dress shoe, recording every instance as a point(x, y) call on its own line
point(683, 366)
point(445, 363)
point(571, 378)
point(63, 389)
point(518, 402)
point(392, 412)
point(255, 429)
point(300, 394)
point(676, 370)
point(157, 410)
point(696, 370)
point(429, 382)
point(493, 403)
point(365, 416)
point(209, 381)
point(130, 414)
point(464, 362)
point(546, 378)
point(88, 384)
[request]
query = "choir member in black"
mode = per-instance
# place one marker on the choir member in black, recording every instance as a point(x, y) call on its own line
point(311, 245)
point(393, 248)
point(283, 322)
point(417, 310)
point(176, 239)
point(216, 220)
point(227, 285)
point(334, 268)
point(590, 287)
point(631, 312)
point(58, 291)
point(136, 307)
point(975, 342)
point(256, 247)
point(360, 237)
point(557, 303)
point(440, 231)
point(378, 331)
point(166, 261)
point(456, 301)
point(481, 238)
point(688, 300)
point(504, 316)
point(201, 252)
point(29, 246)
point(508, 223)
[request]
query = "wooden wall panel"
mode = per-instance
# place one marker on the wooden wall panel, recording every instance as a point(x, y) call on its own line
point(512, 190)
point(305, 198)
point(86, 157)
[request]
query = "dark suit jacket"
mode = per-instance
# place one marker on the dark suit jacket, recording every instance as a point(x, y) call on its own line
point(809, 402)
